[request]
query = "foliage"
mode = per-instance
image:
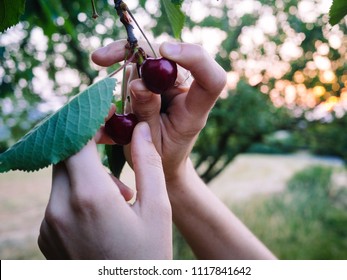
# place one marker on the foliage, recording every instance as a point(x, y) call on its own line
point(10, 11)
point(55, 57)
point(327, 138)
point(295, 80)
point(306, 221)
point(234, 125)
point(278, 142)
point(60, 64)
point(47, 59)
point(175, 16)
point(62, 134)
point(337, 11)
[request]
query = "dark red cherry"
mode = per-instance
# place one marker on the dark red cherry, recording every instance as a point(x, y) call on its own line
point(120, 128)
point(158, 74)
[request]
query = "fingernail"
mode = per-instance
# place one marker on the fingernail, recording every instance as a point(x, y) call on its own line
point(170, 48)
point(145, 131)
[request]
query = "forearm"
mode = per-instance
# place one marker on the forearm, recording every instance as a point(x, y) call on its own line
point(210, 228)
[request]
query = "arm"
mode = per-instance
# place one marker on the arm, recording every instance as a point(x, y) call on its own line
point(210, 228)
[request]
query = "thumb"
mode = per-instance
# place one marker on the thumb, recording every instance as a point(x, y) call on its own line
point(147, 165)
point(146, 106)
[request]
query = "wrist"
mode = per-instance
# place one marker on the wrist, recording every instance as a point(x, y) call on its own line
point(183, 184)
point(176, 177)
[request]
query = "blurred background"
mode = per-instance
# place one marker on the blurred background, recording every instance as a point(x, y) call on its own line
point(275, 145)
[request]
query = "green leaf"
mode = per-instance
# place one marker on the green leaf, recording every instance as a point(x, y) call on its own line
point(175, 16)
point(338, 11)
point(142, 3)
point(115, 159)
point(62, 134)
point(10, 11)
point(177, 2)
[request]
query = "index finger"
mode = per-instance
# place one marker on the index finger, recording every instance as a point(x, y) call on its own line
point(115, 52)
point(147, 164)
point(90, 184)
point(110, 54)
point(209, 76)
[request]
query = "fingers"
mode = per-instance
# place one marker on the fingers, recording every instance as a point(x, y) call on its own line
point(209, 76)
point(206, 71)
point(85, 165)
point(60, 193)
point(91, 185)
point(126, 192)
point(115, 52)
point(146, 106)
point(110, 54)
point(149, 175)
point(50, 244)
point(101, 136)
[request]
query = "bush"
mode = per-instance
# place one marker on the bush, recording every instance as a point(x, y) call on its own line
point(307, 221)
point(278, 142)
point(245, 117)
point(328, 138)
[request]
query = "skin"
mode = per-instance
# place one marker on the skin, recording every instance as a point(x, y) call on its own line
point(212, 231)
point(88, 217)
point(174, 133)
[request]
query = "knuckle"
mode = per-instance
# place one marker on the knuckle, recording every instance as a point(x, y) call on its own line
point(146, 113)
point(189, 129)
point(199, 125)
point(218, 73)
point(55, 219)
point(197, 50)
point(83, 204)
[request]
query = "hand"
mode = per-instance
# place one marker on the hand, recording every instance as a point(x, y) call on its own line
point(174, 132)
point(87, 216)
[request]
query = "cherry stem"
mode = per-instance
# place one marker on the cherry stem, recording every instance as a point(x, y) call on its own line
point(95, 13)
point(144, 35)
point(124, 89)
point(126, 63)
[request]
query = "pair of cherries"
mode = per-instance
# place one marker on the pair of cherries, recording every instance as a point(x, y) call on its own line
point(158, 75)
